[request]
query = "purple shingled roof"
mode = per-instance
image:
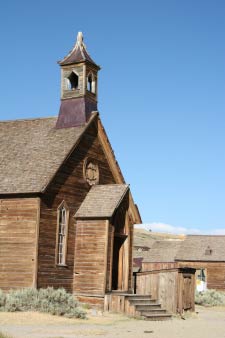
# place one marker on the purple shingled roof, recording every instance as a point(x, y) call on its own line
point(78, 53)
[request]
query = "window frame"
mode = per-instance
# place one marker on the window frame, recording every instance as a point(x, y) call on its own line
point(92, 83)
point(69, 82)
point(64, 236)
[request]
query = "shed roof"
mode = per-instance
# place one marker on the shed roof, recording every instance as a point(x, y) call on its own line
point(102, 200)
point(163, 251)
point(202, 248)
point(31, 152)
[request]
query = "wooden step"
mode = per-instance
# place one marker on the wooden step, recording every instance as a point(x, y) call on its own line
point(141, 301)
point(134, 296)
point(150, 312)
point(156, 316)
point(143, 307)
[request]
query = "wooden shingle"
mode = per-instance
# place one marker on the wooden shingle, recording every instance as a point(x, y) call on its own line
point(202, 248)
point(31, 152)
point(163, 251)
point(102, 200)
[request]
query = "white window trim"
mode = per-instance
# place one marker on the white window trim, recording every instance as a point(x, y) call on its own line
point(64, 236)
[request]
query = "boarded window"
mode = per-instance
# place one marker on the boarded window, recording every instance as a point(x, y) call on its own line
point(62, 233)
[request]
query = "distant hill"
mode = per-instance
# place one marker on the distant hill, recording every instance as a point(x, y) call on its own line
point(147, 238)
point(144, 239)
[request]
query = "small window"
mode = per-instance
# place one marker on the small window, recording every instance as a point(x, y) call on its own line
point(201, 275)
point(91, 83)
point(62, 233)
point(73, 81)
point(208, 251)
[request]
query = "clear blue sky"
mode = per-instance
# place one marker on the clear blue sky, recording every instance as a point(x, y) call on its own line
point(161, 92)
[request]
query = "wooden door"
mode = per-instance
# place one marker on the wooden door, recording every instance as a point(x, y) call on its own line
point(187, 292)
point(119, 266)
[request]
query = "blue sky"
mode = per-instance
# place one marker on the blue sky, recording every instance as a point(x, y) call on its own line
point(161, 93)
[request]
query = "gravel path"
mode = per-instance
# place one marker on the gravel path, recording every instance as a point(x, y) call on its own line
point(206, 323)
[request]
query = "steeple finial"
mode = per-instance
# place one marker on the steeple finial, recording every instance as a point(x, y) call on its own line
point(80, 38)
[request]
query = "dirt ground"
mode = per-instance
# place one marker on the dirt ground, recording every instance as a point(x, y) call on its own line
point(205, 323)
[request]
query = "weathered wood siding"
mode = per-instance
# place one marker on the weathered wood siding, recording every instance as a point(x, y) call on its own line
point(161, 286)
point(110, 258)
point(70, 186)
point(173, 288)
point(215, 273)
point(19, 220)
point(149, 266)
point(90, 257)
point(131, 237)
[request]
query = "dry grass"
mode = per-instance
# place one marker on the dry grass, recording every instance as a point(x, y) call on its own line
point(207, 323)
point(36, 318)
point(147, 238)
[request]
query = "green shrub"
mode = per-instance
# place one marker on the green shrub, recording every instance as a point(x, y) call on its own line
point(22, 300)
point(54, 301)
point(210, 298)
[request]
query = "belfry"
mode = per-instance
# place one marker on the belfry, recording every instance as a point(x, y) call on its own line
point(79, 86)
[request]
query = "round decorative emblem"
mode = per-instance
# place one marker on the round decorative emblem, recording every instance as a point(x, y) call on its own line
point(91, 172)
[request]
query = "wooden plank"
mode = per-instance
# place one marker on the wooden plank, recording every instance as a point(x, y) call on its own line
point(18, 242)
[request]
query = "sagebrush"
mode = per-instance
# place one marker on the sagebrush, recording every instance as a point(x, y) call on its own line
point(210, 298)
point(54, 301)
point(4, 335)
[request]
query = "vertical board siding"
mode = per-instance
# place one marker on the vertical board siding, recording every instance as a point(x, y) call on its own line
point(18, 237)
point(68, 185)
point(149, 266)
point(90, 257)
point(130, 278)
point(110, 258)
point(169, 287)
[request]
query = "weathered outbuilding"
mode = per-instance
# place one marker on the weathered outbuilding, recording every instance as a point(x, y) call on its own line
point(66, 213)
point(207, 255)
point(204, 253)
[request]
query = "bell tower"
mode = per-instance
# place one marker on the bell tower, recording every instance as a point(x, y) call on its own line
point(79, 86)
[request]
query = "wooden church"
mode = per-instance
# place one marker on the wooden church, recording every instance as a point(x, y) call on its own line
point(66, 213)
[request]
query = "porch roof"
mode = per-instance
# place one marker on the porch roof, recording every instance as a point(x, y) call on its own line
point(102, 201)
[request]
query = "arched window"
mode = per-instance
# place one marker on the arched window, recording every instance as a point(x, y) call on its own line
point(91, 83)
point(62, 233)
point(73, 81)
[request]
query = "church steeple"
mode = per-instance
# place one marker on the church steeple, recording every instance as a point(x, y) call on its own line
point(79, 87)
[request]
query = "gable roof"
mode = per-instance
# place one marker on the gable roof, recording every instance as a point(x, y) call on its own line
point(198, 248)
point(163, 251)
point(31, 152)
point(102, 201)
